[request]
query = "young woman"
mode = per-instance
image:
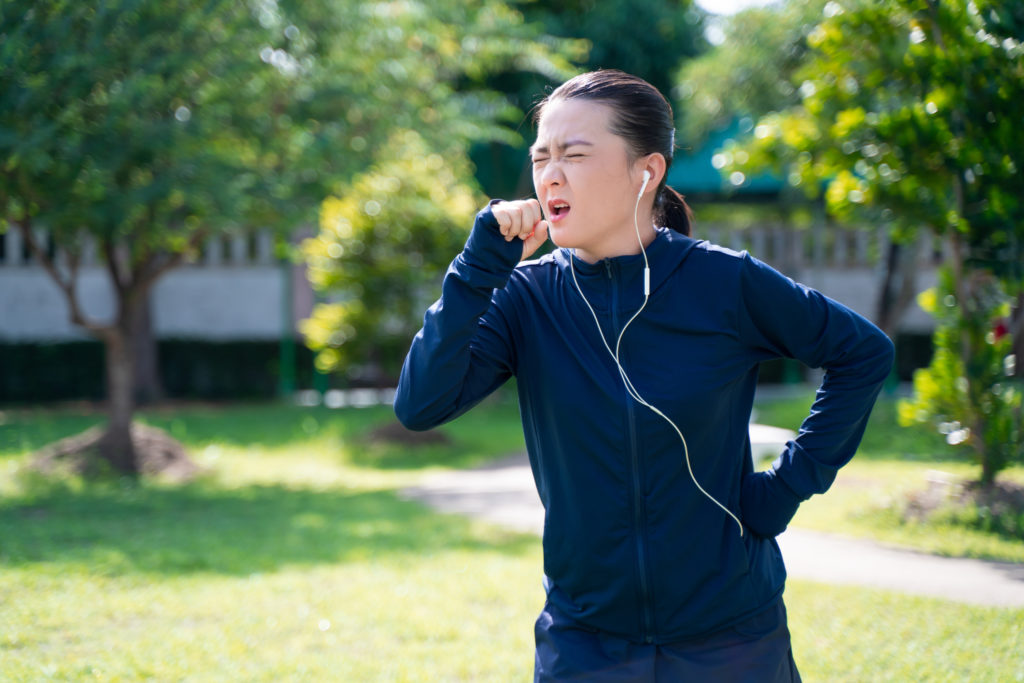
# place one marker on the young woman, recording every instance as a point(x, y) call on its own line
point(636, 349)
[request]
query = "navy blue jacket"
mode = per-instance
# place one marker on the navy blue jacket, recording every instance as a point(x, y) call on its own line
point(631, 547)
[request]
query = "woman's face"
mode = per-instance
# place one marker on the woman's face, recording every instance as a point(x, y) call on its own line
point(584, 181)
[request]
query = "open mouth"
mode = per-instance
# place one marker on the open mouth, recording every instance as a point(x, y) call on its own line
point(557, 209)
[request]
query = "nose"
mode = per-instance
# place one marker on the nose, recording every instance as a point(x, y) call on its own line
point(550, 175)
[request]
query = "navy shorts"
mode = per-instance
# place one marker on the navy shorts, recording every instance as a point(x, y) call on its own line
point(756, 650)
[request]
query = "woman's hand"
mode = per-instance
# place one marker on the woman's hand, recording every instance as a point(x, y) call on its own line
point(522, 219)
point(766, 504)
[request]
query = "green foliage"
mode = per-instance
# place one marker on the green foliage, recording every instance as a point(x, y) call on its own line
point(148, 121)
point(647, 38)
point(145, 127)
point(377, 67)
point(909, 118)
point(136, 122)
point(381, 250)
point(908, 113)
point(750, 73)
point(972, 398)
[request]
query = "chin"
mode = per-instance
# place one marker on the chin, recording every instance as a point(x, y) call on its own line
point(563, 237)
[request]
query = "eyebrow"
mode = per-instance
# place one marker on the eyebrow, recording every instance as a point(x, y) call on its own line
point(544, 149)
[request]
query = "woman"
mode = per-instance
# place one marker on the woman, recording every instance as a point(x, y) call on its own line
point(636, 349)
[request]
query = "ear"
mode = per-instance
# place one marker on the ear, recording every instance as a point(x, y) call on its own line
point(654, 164)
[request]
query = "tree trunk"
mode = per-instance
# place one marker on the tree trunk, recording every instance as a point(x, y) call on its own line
point(988, 471)
point(148, 387)
point(116, 447)
point(898, 289)
point(132, 282)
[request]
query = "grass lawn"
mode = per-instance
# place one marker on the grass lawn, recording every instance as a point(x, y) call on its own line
point(293, 559)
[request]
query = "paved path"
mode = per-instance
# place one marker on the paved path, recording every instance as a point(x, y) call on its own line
point(504, 493)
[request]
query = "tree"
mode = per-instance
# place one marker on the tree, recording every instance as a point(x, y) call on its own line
point(117, 129)
point(387, 233)
point(750, 73)
point(753, 73)
point(971, 397)
point(381, 246)
point(909, 117)
point(649, 38)
point(150, 126)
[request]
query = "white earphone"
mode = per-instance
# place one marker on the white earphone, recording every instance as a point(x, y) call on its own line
point(630, 389)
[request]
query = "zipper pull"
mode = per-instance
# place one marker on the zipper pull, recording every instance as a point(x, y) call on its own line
point(608, 267)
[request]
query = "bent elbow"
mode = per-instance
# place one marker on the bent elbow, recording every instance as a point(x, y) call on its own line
point(411, 419)
point(883, 358)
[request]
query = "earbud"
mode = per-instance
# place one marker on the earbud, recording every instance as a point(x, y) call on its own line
point(647, 179)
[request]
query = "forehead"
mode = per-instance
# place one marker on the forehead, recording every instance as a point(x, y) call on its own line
point(573, 121)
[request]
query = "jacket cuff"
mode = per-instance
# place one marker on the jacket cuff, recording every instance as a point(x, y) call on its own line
point(487, 256)
point(766, 504)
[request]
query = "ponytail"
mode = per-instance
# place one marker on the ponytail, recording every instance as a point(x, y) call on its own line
point(673, 211)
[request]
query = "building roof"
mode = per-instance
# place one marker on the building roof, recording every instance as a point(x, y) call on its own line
point(694, 172)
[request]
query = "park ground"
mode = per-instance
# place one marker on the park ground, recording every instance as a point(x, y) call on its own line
point(294, 557)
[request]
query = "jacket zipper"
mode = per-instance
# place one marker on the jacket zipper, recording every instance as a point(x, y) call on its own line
point(639, 528)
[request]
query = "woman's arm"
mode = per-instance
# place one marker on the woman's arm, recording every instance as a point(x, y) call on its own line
point(464, 350)
point(794, 321)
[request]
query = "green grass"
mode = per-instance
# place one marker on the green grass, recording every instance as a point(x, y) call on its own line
point(294, 559)
point(858, 634)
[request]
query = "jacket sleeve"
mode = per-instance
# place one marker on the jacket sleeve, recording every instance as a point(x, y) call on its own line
point(787, 319)
point(463, 352)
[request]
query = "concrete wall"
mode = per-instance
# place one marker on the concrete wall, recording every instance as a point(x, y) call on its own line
point(235, 292)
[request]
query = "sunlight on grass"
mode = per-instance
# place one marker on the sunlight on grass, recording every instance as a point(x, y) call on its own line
point(293, 558)
point(857, 634)
point(446, 615)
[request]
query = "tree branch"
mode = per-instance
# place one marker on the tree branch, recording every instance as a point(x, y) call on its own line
point(113, 267)
point(68, 287)
point(148, 277)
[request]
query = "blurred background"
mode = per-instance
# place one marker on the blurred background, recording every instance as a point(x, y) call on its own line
point(221, 222)
point(258, 200)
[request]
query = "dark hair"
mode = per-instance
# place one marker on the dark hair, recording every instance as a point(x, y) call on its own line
point(643, 118)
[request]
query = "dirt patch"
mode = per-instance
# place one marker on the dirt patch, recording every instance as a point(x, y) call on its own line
point(1000, 499)
point(158, 453)
point(396, 433)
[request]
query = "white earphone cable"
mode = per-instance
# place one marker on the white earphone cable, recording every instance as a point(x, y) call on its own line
point(630, 389)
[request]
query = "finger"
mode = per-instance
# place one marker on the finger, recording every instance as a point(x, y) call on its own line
point(530, 215)
point(535, 239)
point(517, 221)
point(533, 214)
point(500, 213)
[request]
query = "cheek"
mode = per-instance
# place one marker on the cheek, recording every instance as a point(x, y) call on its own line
point(603, 188)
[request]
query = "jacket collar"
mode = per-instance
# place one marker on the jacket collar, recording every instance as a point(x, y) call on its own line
point(665, 254)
